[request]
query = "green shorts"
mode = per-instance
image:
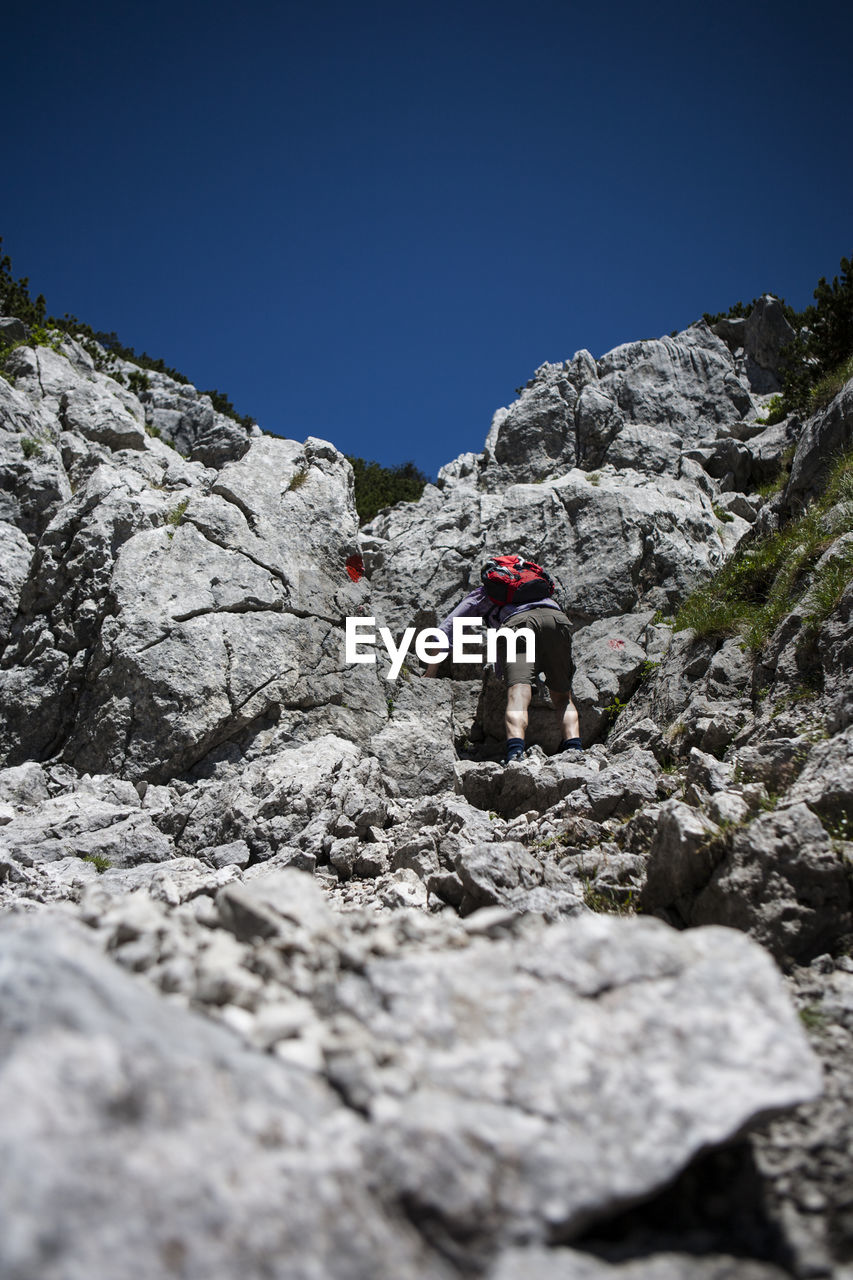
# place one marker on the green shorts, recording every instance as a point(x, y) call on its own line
point(552, 650)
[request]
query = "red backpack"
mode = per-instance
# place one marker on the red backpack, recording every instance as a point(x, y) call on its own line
point(511, 580)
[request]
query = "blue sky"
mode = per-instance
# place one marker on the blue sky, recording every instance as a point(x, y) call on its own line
point(372, 221)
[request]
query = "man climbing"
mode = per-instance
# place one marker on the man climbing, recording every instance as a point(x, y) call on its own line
point(516, 593)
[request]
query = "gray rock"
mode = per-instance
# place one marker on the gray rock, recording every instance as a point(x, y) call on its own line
point(610, 660)
point(15, 556)
point(413, 749)
point(682, 856)
point(613, 540)
point(24, 785)
point(236, 853)
point(402, 889)
point(19, 416)
point(82, 827)
point(279, 903)
point(782, 882)
point(293, 794)
point(685, 381)
point(531, 784)
point(826, 782)
point(766, 334)
point(709, 772)
point(186, 418)
point(571, 1264)
point(640, 733)
point(625, 785)
point(261, 606)
point(825, 436)
point(168, 1122)
point(537, 1085)
point(506, 874)
point(12, 330)
point(776, 762)
point(536, 435)
point(173, 882)
point(33, 483)
point(99, 415)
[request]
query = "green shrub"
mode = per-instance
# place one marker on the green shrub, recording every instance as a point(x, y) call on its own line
point(31, 448)
point(222, 404)
point(827, 387)
point(15, 297)
point(298, 479)
point(775, 412)
point(817, 363)
point(377, 487)
point(138, 381)
point(818, 358)
point(607, 901)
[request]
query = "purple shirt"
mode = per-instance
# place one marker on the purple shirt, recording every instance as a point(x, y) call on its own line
point(478, 605)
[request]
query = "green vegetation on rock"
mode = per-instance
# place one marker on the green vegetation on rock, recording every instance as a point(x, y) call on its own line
point(763, 581)
point(819, 360)
point(377, 486)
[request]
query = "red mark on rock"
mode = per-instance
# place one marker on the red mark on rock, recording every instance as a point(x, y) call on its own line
point(355, 567)
point(616, 644)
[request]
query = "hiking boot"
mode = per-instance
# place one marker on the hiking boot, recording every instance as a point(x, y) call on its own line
point(571, 747)
point(513, 754)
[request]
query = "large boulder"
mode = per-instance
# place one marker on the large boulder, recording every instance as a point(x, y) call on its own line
point(638, 406)
point(766, 335)
point(164, 1147)
point(537, 1085)
point(611, 658)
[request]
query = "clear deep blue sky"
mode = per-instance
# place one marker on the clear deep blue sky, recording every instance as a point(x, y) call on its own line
point(371, 221)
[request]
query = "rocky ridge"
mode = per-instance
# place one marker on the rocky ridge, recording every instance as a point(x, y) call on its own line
point(442, 1048)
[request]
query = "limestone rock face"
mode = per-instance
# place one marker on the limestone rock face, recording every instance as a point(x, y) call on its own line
point(442, 1052)
point(641, 399)
point(168, 607)
point(614, 540)
point(761, 337)
point(686, 381)
point(826, 435)
point(186, 418)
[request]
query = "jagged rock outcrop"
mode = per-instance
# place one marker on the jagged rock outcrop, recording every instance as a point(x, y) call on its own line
point(441, 1053)
point(759, 341)
point(636, 408)
point(168, 606)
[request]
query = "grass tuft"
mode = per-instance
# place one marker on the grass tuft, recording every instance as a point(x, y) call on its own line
point(31, 448)
point(760, 585)
point(176, 515)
